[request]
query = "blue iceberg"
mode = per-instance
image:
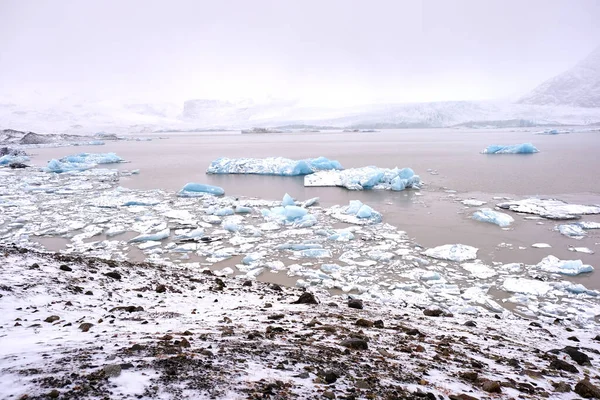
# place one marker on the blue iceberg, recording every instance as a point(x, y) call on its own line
point(287, 200)
point(493, 217)
point(362, 211)
point(81, 162)
point(577, 230)
point(199, 189)
point(271, 166)
point(152, 236)
point(524, 148)
point(365, 178)
point(564, 267)
point(9, 159)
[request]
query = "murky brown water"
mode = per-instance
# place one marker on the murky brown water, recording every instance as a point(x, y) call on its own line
point(567, 167)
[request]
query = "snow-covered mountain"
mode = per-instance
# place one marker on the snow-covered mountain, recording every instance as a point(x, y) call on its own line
point(577, 87)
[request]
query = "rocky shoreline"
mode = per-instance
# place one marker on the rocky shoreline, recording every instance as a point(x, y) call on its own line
point(73, 327)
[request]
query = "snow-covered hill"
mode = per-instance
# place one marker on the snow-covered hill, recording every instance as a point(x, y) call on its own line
point(578, 87)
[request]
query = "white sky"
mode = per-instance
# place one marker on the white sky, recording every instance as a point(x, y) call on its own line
point(323, 52)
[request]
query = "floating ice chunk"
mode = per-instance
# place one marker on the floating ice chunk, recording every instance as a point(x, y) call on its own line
point(452, 252)
point(81, 162)
point(365, 212)
point(525, 148)
point(589, 224)
point(574, 288)
point(356, 213)
point(198, 189)
point(526, 286)
point(287, 200)
point(150, 244)
point(253, 257)
point(10, 159)
point(366, 178)
point(221, 212)
point(231, 226)
point(330, 268)
point(549, 208)
point(310, 202)
point(479, 270)
point(581, 250)
point(298, 246)
point(473, 203)
point(140, 202)
point(306, 221)
point(341, 235)
point(152, 236)
point(577, 230)
point(541, 245)
point(494, 217)
point(564, 267)
point(243, 210)
point(196, 233)
point(353, 207)
point(314, 253)
point(271, 166)
point(378, 255)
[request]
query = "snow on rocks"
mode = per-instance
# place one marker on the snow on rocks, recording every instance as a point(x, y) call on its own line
point(452, 252)
point(549, 208)
point(366, 178)
point(271, 166)
point(525, 148)
point(494, 217)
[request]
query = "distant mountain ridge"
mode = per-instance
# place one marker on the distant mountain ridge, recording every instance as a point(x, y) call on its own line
point(577, 87)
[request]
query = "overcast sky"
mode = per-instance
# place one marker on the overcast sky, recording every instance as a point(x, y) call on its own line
point(323, 52)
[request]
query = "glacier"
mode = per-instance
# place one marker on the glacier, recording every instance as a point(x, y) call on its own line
point(494, 217)
point(564, 267)
point(525, 148)
point(81, 162)
point(364, 178)
point(271, 166)
point(549, 208)
point(199, 189)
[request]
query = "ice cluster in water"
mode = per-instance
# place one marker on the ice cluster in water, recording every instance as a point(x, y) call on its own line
point(525, 148)
point(12, 159)
point(494, 217)
point(549, 208)
point(271, 166)
point(366, 178)
point(200, 189)
point(81, 162)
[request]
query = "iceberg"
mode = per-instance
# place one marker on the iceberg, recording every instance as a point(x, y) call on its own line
point(314, 253)
point(564, 267)
point(549, 208)
point(287, 200)
point(81, 162)
point(271, 166)
point(152, 236)
point(287, 214)
point(242, 210)
point(356, 213)
point(452, 252)
point(494, 217)
point(473, 203)
point(11, 159)
point(526, 286)
point(199, 189)
point(196, 233)
point(577, 230)
point(525, 148)
point(366, 178)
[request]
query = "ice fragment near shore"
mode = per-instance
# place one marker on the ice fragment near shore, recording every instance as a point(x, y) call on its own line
point(356, 213)
point(526, 286)
point(366, 178)
point(152, 236)
point(549, 208)
point(577, 230)
point(81, 162)
point(271, 166)
point(287, 200)
point(199, 189)
point(564, 267)
point(473, 203)
point(525, 148)
point(452, 252)
point(10, 159)
point(494, 217)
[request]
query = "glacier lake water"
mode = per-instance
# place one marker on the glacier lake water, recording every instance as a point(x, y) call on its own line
point(448, 161)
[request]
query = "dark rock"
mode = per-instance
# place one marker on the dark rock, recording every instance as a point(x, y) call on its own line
point(161, 289)
point(491, 387)
point(577, 356)
point(365, 323)
point(587, 390)
point(561, 387)
point(329, 395)
point(275, 287)
point(563, 366)
point(114, 275)
point(85, 326)
point(330, 376)
point(302, 375)
point(52, 318)
point(536, 324)
point(470, 323)
point(470, 376)
point(112, 370)
point(355, 303)
point(462, 396)
point(219, 282)
point(276, 316)
point(127, 308)
point(332, 304)
point(126, 366)
point(54, 394)
point(185, 343)
point(15, 165)
point(247, 283)
point(268, 305)
point(355, 344)
point(306, 298)
point(432, 312)
point(573, 338)
point(597, 338)
point(136, 347)
point(65, 268)
point(362, 384)
point(378, 324)
point(89, 293)
point(413, 332)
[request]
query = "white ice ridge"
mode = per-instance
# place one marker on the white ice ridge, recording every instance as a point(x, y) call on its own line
point(271, 166)
point(549, 208)
point(366, 178)
point(524, 148)
point(81, 162)
point(494, 217)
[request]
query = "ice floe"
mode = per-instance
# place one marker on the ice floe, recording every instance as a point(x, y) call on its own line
point(81, 162)
point(271, 166)
point(564, 267)
point(493, 217)
point(473, 203)
point(577, 230)
point(355, 213)
point(524, 148)
point(13, 159)
point(200, 189)
point(452, 252)
point(366, 178)
point(581, 250)
point(549, 208)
